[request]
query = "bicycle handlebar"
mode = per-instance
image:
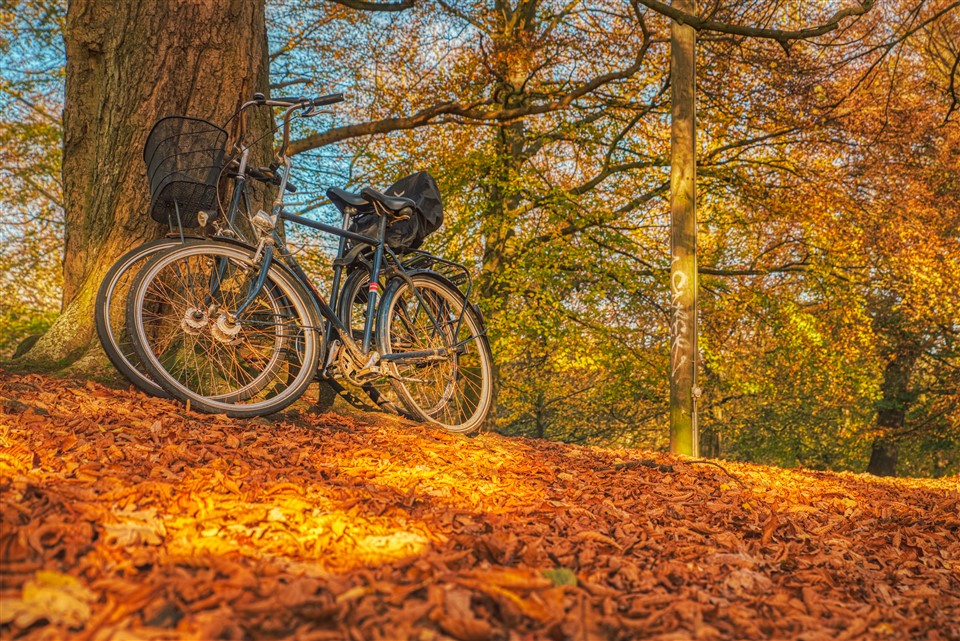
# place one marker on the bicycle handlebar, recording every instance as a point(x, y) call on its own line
point(263, 174)
point(309, 106)
point(298, 101)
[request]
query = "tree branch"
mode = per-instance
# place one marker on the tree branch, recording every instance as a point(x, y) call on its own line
point(473, 111)
point(362, 5)
point(46, 193)
point(463, 16)
point(782, 36)
point(952, 88)
point(783, 269)
point(19, 97)
point(288, 83)
point(384, 125)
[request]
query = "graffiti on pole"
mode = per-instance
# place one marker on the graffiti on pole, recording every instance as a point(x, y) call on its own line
point(679, 321)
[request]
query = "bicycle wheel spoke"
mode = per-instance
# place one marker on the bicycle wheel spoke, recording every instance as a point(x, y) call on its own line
point(246, 365)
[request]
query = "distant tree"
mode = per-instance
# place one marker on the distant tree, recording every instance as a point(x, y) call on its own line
point(31, 195)
point(830, 324)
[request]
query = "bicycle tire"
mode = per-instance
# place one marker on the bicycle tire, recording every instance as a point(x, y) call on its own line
point(110, 314)
point(454, 390)
point(178, 309)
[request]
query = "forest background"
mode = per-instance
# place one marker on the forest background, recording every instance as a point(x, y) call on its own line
point(828, 186)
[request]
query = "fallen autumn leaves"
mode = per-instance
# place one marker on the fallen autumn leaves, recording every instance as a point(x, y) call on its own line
point(125, 517)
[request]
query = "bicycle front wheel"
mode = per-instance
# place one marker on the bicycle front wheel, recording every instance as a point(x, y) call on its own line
point(442, 360)
point(182, 311)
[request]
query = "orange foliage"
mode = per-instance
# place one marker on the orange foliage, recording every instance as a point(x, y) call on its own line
point(126, 517)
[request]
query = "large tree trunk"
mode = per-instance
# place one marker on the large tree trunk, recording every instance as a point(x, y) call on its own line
point(892, 412)
point(128, 64)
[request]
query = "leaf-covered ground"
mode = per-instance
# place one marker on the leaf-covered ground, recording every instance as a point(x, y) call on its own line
point(126, 517)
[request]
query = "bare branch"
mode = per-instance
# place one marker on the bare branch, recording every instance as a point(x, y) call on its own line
point(952, 89)
point(782, 269)
point(463, 16)
point(22, 99)
point(289, 83)
point(782, 36)
point(384, 125)
point(362, 5)
point(474, 111)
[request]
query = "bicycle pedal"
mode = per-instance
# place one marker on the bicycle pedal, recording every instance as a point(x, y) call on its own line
point(369, 372)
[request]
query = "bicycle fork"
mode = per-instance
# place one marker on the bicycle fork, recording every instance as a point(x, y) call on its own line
point(264, 256)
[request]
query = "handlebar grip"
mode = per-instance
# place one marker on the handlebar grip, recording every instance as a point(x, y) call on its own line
point(291, 101)
point(259, 175)
point(329, 99)
point(272, 178)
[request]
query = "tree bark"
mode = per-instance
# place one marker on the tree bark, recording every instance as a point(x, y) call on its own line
point(129, 64)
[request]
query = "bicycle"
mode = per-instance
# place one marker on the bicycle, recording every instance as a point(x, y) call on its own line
point(238, 328)
point(110, 326)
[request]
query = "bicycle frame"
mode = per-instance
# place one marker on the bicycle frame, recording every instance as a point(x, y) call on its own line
point(269, 241)
point(333, 322)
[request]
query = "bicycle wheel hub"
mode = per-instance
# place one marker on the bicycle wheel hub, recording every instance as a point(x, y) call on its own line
point(225, 331)
point(193, 321)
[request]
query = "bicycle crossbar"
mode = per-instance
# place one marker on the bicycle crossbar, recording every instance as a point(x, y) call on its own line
point(330, 229)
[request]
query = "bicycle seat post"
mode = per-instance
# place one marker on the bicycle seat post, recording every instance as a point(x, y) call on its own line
point(374, 287)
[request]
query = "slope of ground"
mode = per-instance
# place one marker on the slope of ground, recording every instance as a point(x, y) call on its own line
point(126, 517)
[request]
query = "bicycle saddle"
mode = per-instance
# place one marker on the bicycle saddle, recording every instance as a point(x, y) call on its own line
point(393, 203)
point(343, 198)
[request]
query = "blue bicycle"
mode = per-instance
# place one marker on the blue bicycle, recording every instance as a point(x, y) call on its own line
point(237, 327)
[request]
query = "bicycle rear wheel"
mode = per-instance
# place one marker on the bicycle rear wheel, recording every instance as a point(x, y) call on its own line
point(180, 310)
point(110, 314)
point(453, 387)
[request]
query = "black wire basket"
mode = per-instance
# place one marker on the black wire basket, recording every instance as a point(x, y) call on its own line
point(184, 159)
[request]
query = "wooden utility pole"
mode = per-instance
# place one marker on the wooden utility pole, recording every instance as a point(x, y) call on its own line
point(683, 238)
